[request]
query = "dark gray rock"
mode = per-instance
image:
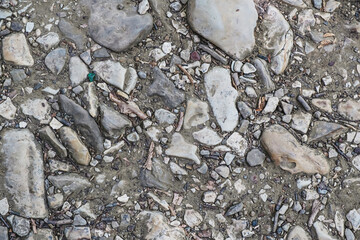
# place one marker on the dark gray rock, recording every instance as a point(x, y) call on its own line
point(117, 28)
point(234, 209)
point(70, 182)
point(244, 109)
point(48, 135)
point(165, 89)
point(255, 157)
point(55, 60)
point(324, 130)
point(264, 74)
point(17, 75)
point(113, 122)
point(101, 53)
point(73, 33)
point(84, 123)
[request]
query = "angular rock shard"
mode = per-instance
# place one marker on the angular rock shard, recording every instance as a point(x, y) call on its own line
point(350, 110)
point(180, 148)
point(289, 154)
point(21, 162)
point(15, 50)
point(197, 112)
point(70, 182)
point(227, 24)
point(113, 122)
point(325, 130)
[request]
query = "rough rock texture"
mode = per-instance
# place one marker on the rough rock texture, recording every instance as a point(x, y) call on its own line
point(84, 122)
point(264, 74)
point(78, 71)
point(15, 50)
point(197, 112)
point(228, 24)
point(113, 122)
point(41, 234)
point(350, 110)
point(37, 108)
point(90, 99)
point(180, 148)
point(117, 29)
point(322, 130)
point(23, 181)
point(111, 72)
point(7, 109)
point(298, 232)
point(289, 154)
point(207, 136)
point(222, 97)
point(69, 182)
point(73, 33)
point(48, 135)
point(56, 60)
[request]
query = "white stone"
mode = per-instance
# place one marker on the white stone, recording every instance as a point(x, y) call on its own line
point(16, 50)
point(176, 169)
point(271, 105)
point(4, 206)
point(180, 148)
point(143, 7)
point(49, 40)
point(207, 136)
point(78, 71)
point(192, 218)
point(301, 122)
point(37, 108)
point(238, 143)
point(111, 72)
point(7, 109)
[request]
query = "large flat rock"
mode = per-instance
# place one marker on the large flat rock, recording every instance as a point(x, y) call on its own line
point(228, 24)
point(21, 162)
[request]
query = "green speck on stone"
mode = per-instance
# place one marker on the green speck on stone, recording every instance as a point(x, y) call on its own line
point(91, 76)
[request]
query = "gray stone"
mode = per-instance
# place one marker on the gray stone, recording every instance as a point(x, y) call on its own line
point(222, 97)
point(354, 217)
point(238, 143)
point(49, 136)
point(322, 104)
point(55, 201)
point(69, 182)
point(84, 123)
point(306, 20)
point(131, 78)
point(5, 13)
point(180, 148)
point(350, 110)
point(86, 57)
point(322, 130)
point(331, 6)
point(73, 33)
point(117, 29)
point(101, 53)
point(165, 89)
point(90, 99)
point(349, 235)
point(55, 60)
point(48, 40)
point(218, 22)
point(192, 218)
point(20, 226)
point(296, 3)
point(234, 209)
point(264, 74)
point(111, 72)
point(16, 51)
point(133, 137)
point(158, 177)
point(7, 109)
point(113, 122)
point(197, 112)
point(255, 157)
point(37, 108)
point(301, 122)
point(176, 169)
point(21, 162)
point(18, 75)
point(298, 232)
point(271, 105)
point(77, 233)
point(207, 136)
point(78, 71)
point(322, 232)
point(79, 221)
point(77, 149)
point(244, 109)
point(41, 234)
point(3, 233)
point(317, 4)
point(165, 116)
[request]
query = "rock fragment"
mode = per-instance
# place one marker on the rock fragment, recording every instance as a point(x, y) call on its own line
point(113, 122)
point(48, 135)
point(55, 60)
point(69, 182)
point(20, 226)
point(15, 50)
point(180, 148)
point(192, 218)
point(37, 108)
point(73, 33)
point(7, 109)
point(350, 110)
point(207, 136)
point(301, 122)
point(197, 112)
point(48, 40)
point(78, 71)
point(325, 130)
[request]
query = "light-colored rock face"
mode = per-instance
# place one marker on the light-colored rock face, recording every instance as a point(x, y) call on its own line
point(15, 50)
point(222, 97)
point(21, 158)
point(197, 112)
point(228, 24)
point(289, 154)
point(180, 148)
point(207, 136)
point(296, 3)
point(154, 226)
point(113, 122)
point(325, 130)
point(55, 60)
point(278, 38)
point(301, 122)
point(322, 104)
point(49, 40)
point(7, 109)
point(298, 233)
point(78, 71)
point(238, 143)
point(192, 218)
point(322, 232)
point(111, 72)
point(42, 234)
point(90, 99)
point(37, 108)
point(350, 110)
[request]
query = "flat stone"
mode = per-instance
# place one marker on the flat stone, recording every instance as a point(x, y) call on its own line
point(77, 149)
point(5, 13)
point(48, 40)
point(41, 234)
point(192, 218)
point(197, 112)
point(73, 33)
point(78, 71)
point(289, 154)
point(322, 130)
point(117, 29)
point(3, 233)
point(21, 162)
point(209, 197)
point(69, 182)
point(295, 3)
point(271, 105)
point(143, 7)
point(264, 74)
point(229, 25)
point(37, 108)
point(55, 201)
point(322, 232)
point(234, 209)
point(84, 123)
point(165, 116)
point(180, 148)
point(301, 122)
point(238, 143)
point(165, 89)
point(223, 171)
point(4, 206)
point(350, 110)
point(131, 78)
point(20, 225)
point(154, 225)
point(18, 75)
point(90, 99)
point(55, 60)
point(158, 177)
point(222, 97)
point(322, 104)
point(176, 169)
point(7, 109)
point(49, 136)
point(306, 20)
point(207, 136)
point(255, 157)
point(244, 109)
point(16, 50)
point(349, 235)
point(111, 72)
point(298, 232)
point(277, 38)
point(113, 122)
point(77, 233)
point(331, 6)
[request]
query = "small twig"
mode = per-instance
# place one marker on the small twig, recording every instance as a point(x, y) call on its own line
point(340, 152)
point(148, 163)
point(127, 108)
point(186, 73)
point(181, 122)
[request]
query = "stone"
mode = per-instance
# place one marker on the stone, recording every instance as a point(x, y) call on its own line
point(207, 136)
point(264, 74)
point(117, 29)
point(55, 60)
point(90, 99)
point(158, 177)
point(18, 75)
point(77, 233)
point(209, 196)
point(238, 143)
point(41, 234)
point(165, 89)
point(111, 72)
point(143, 7)
point(4, 233)
point(295, 3)
point(353, 216)
point(218, 22)
point(133, 137)
point(349, 235)
point(16, 51)
point(113, 122)
point(101, 53)
point(322, 130)
point(180, 148)
point(301, 122)
point(222, 97)
point(55, 201)
point(356, 162)
point(223, 171)
point(176, 169)
point(49, 136)
point(306, 20)
point(78, 71)
point(248, 68)
point(289, 154)
point(317, 4)
point(77, 149)
point(322, 232)
point(69, 182)
point(7, 109)
point(192, 218)
point(331, 6)
point(234, 209)
point(83, 122)
point(255, 157)
point(299, 233)
point(48, 40)
point(79, 221)
point(322, 104)
point(131, 78)
point(271, 105)
point(73, 33)
point(197, 112)
point(20, 225)
point(350, 110)
point(4, 206)
point(244, 109)
point(37, 108)
point(339, 223)
point(21, 162)
point(5, 13)
point(277, 38)
point(165, 116)
point(154, 225)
